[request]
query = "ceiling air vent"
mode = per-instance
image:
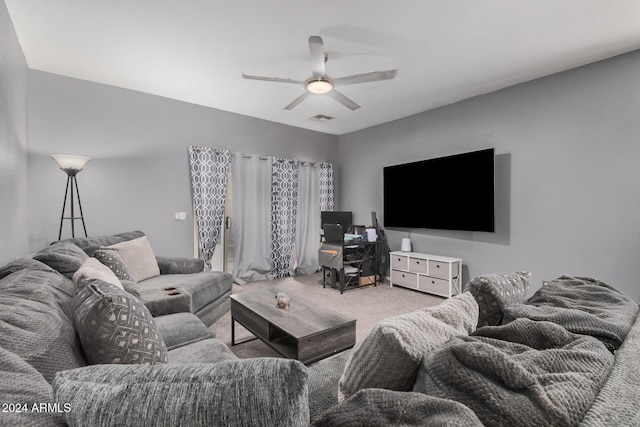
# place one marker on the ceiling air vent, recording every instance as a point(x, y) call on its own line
point(321, 118)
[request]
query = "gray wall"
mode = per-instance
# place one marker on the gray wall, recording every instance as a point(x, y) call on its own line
point(13, 143)
point(568, 180)
point(139, 172)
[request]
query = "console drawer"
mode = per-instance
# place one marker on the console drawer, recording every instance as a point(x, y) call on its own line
point(440, 270)
point(402, 278)
point(417, 265)
point(433, 285)
point(400, 261)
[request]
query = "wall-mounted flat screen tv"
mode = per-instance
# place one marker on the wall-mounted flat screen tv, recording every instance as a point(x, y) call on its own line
point(450, 193)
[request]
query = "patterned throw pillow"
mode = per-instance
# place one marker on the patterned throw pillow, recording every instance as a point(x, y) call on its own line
point(116, 327)
point(139, 258)
point(91, 270)
point(494, 292)
point(391, 355)
point(114, 261)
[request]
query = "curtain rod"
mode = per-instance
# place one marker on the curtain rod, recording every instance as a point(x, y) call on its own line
point(244, 155)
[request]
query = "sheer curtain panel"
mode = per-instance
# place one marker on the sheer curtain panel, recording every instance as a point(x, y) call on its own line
point(308, 219)
point(251, 217)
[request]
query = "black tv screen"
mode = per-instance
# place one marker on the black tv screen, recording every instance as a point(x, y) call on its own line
point(450, 193)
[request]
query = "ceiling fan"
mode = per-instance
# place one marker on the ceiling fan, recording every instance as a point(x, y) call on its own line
point(320, 83)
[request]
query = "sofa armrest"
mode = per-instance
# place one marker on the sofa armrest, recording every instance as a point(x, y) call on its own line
point(250, 392)
point(179, 329)
point(174, 265)
point(495, 292)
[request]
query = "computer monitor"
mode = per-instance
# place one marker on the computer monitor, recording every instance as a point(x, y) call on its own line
point(342, 218)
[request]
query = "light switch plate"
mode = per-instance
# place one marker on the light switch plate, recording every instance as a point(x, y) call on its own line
point(180, 216)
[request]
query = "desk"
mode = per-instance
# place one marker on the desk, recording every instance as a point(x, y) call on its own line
point(349, 263)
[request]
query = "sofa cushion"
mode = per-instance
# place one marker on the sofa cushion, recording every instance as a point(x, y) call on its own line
point(114, 261)
point(390, 356)
point(115, 327)
point(91, 270)
point(522, 374)
point(138, 256)
point(252, 392)
point(494, 292)
point(60, 287)
point(374, 407)
point(33, 321)
point(90, 244)
point(165, 301)
point(178, 265)
point(203, 287)
point(21, 264)
point(64, 257)
point(611, 406)
point(323, 383)
point(22, 392)
point(210, 350)
point(181, 328)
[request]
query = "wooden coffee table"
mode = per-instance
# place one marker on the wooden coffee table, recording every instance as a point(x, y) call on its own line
point(304, 331)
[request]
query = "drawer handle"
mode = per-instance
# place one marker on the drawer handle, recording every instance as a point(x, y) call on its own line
point(437, 266)
point(433, 282)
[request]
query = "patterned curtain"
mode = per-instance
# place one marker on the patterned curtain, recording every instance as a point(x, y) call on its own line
point(326, 187)
point(284, 197)
point(209, 173)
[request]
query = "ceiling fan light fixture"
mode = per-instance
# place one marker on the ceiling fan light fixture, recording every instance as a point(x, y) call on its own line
point(319, 86)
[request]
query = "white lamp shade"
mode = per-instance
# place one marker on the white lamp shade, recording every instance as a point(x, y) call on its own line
point(70, 163)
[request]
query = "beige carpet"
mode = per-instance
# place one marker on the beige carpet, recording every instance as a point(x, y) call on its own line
point(366, 304)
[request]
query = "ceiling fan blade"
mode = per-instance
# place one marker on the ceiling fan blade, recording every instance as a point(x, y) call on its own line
point(271, 79)
point(297, 101)
point(366, 77)
point(343, 100)
point(316, 51)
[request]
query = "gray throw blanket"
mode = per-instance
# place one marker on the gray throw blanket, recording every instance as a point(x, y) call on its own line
point(583, 306)
point(521, 374)
point(376, 407)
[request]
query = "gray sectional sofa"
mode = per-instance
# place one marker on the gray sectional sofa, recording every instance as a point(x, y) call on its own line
point(182, 284)
point(70, 355)
point(96, 355)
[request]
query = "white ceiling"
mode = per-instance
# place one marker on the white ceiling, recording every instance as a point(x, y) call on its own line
point(444, 50)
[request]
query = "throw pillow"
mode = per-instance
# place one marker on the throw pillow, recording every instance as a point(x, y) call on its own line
point(139, 258)
point(114, 261)
point(252, 392)
point(390, 356)
point(64, 257)
point(91, 270)
point(495, 292)
point(116, 327)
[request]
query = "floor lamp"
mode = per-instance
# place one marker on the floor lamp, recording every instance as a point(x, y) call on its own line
point(71, 165)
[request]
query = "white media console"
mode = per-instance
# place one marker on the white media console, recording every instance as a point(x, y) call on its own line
point(434, 274)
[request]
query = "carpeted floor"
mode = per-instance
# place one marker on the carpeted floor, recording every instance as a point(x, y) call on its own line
point(367, 304)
